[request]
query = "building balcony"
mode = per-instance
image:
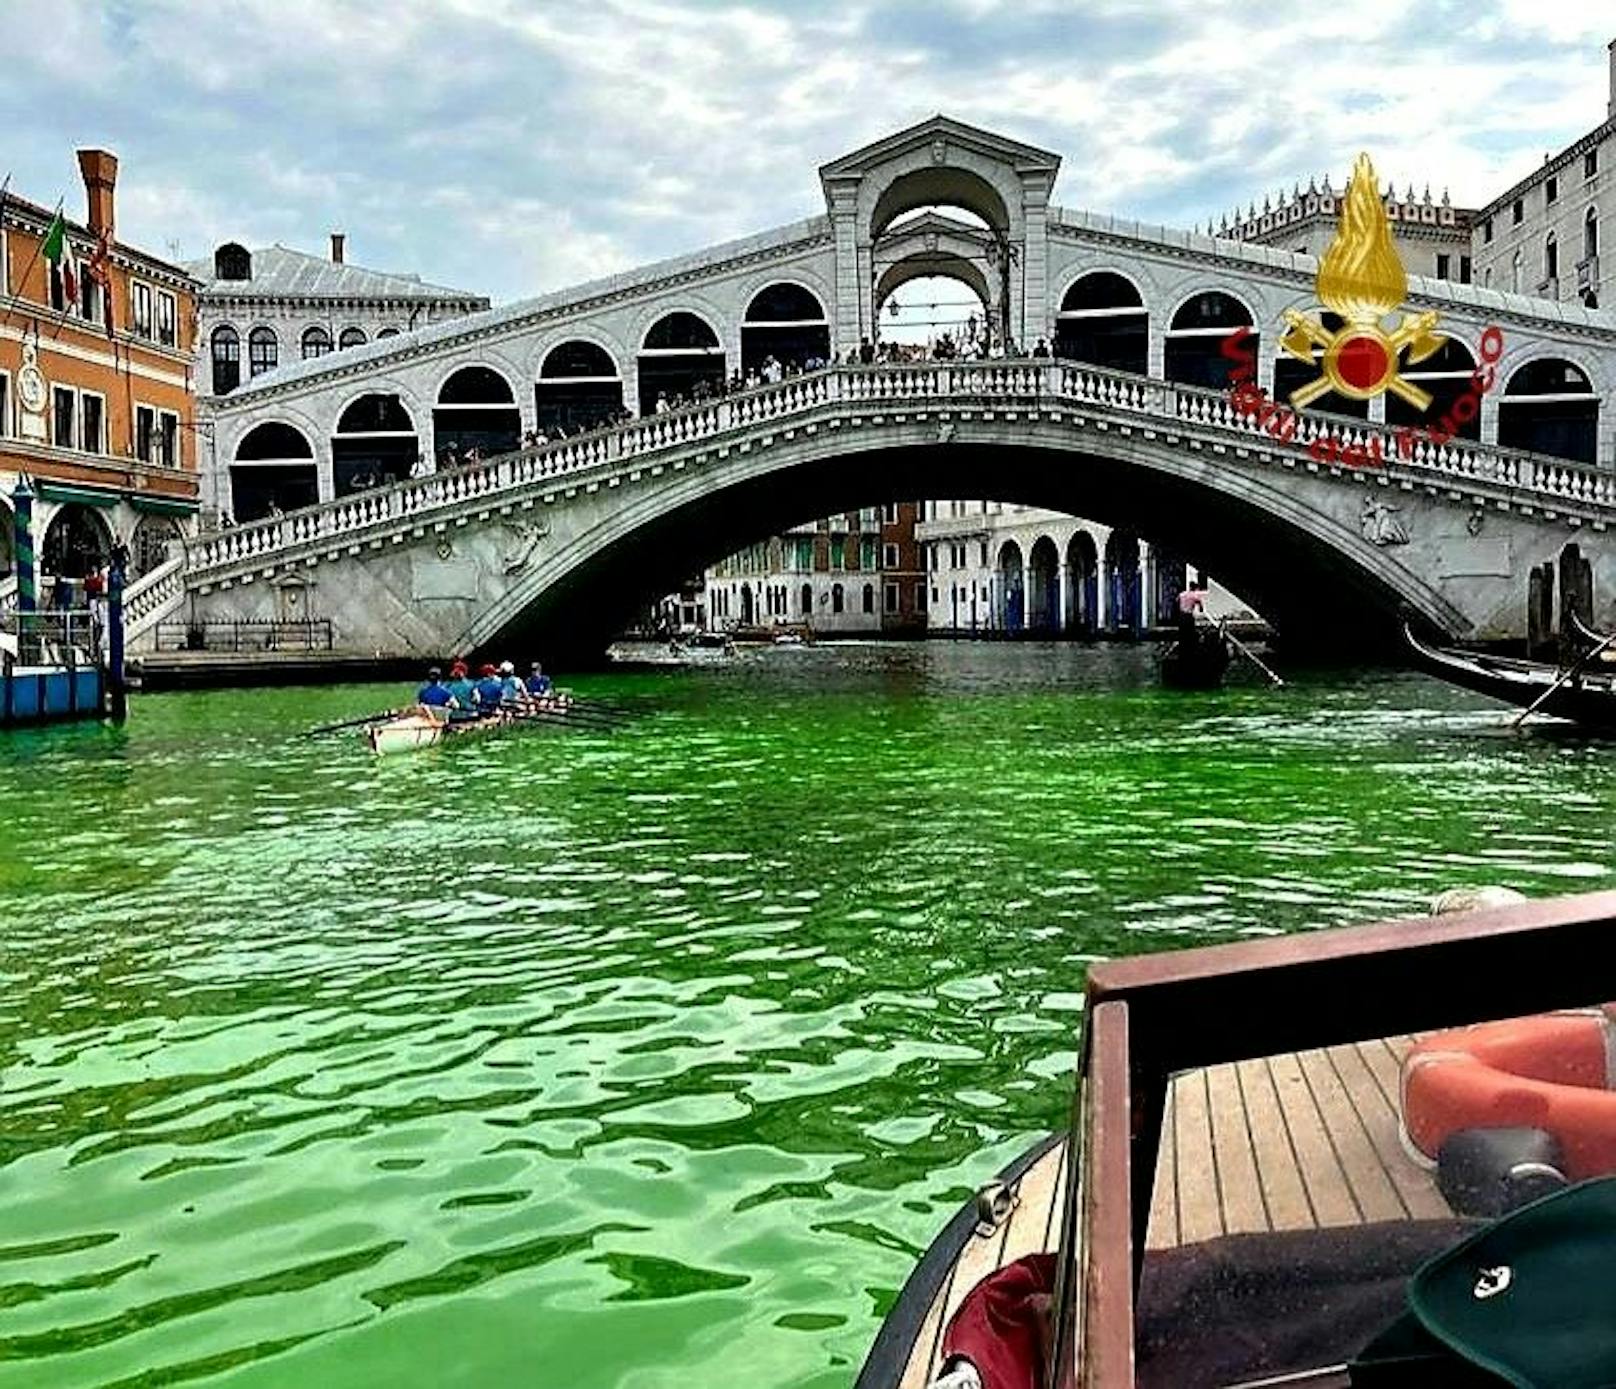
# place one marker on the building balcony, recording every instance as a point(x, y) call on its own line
point(1549, 287)
point(1587, 273)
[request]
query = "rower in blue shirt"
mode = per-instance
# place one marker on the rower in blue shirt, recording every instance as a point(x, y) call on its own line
point(435, 696)
point(538, 683)
point(463, 692)
point(514, 692)
point(490, 692)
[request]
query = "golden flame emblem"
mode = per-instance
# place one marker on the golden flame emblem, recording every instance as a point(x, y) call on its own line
point(1362, 280)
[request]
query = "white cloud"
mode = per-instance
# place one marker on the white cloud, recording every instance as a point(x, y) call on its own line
point(512, 147)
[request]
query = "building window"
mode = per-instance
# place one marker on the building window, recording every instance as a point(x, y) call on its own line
point(316, 342)
point(1517, 212)
point(837, 599)
point(145, 432)
point(140, 306)
point(387, 333)
point(1551, 259)
point(92, 414)
point(1590, 234)
point(1515, 271)
point(226, 359)
point(984, 563)
point(866, 552)
point(167, 319)
point(891, 598)
point(1442, 264)
point(5, 405)
point(63, 409)
point(1464, 270)
point(89, 296)
point(263, 351)
point(1551, 191)
point(168, 438)
point(351, 337)
point(889, 556)
point(1590, 163)
point(1487, 230)
point(869, 598)
point(889, 513)
point(920, 598)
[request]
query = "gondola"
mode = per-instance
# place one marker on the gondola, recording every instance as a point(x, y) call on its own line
point(1582, 694)
point(1197, 665)
point(1241, 1198)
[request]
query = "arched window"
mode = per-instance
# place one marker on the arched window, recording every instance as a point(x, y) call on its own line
point(232, 261)
point(869, 598)
point(263, 351)
point(273, 470)
point(1551, 258)
point(1103, 321)
point(579, 387)
point(387, 333)
point(1515, 271)
point(1194, 343)
point(786, 322)
point(352, 337)
point(316, 342)
point(1549, 406)
point(807, 600)
point(375, 444)
point(476, 410)
point(1444, 376)
point(77, 542)
point(226, 346)
point(837, 599)
point(1590, 234)
point(680, 362)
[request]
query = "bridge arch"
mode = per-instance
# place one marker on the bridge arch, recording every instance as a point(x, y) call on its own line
point(578, 386)
point(273, 469)
point(1010, 597)
point(475, 409)
point(1043, 593)
point(786, 320)
point(978, 186)
point(1102, 319)
point(1285, 552)
point(374, 443)
point(1444, 376)
point(681, 356)
point(1196, 328)
point(1083, 579)
point(1548, 405)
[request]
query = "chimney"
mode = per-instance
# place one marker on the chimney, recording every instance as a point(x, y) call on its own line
point(100, 170)
point(337, 238)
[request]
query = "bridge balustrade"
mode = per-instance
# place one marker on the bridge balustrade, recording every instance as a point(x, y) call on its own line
point(1029, 381)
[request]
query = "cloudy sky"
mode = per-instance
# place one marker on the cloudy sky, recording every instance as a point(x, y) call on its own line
point(514, 146)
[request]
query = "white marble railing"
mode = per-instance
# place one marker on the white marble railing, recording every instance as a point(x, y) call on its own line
point(1019, 384)
point(152, 597)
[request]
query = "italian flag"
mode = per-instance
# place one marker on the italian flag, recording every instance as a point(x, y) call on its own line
point(60, 254)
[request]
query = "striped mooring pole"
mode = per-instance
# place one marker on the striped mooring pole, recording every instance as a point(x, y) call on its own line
point(22, 520)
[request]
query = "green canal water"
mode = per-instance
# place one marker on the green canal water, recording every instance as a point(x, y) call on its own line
point(652, 1058)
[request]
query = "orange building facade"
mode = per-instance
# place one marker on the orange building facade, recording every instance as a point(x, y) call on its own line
point(97, 412)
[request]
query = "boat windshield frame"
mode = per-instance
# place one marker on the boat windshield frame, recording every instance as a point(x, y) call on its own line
point(1150, 1016)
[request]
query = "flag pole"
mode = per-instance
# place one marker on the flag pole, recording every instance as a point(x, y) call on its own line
point(33, 260)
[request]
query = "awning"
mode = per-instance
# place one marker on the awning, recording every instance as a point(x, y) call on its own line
point(61, 492)
point(161, 506)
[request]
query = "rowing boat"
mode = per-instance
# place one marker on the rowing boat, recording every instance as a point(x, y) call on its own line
point(420, 728)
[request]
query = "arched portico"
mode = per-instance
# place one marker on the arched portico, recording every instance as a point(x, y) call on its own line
point(1083, 571)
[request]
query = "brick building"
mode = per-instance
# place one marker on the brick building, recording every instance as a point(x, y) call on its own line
point(96, 392)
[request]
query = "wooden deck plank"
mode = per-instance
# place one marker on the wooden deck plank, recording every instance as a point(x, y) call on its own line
point(1371, 1186)
point(917, 1374)
point(1163, 1229)
point(1283, 1191)
point(1327, 1189)
point(1239, 1190)
point(1380, 1121)
point(1200, 1212)
point(1038, 1192)
point(1385, 1063)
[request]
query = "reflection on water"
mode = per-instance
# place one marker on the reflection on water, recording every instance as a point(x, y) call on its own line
point(653, 1056)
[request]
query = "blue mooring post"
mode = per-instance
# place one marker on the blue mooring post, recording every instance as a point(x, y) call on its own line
point(117, 695)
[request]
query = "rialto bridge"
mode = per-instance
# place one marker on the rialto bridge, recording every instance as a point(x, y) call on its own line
point(1129, 421)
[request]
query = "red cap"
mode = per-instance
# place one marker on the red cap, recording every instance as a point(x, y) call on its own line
point(488, 670)
point(458, 668)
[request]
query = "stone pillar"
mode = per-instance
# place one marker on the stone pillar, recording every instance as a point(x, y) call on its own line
point(1026, 596)
point(851, 271)
point(1063, 617)
point(1036, 311)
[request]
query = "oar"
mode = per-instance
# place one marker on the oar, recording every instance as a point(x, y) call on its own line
point(1251, 656)
point(353, 723)
point(1571, 670)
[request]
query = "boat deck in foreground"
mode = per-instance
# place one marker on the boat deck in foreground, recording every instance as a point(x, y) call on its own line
point(1303, 1140)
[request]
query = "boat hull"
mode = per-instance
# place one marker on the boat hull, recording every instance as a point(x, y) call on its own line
point(1587, 698)
point(408, 734)
point(413, 732)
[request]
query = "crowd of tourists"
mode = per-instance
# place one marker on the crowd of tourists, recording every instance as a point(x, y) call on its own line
point(497, 690)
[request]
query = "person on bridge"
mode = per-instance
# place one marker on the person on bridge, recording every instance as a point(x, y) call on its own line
point(463, 691)
point(489, 692)
point(538, 683)
point(435, 697)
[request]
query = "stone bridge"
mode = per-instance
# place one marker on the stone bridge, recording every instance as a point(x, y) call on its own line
point(1125, 423)
point(501, 556)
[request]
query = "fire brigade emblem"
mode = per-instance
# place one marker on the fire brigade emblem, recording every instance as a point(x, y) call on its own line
point(1362, 280)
